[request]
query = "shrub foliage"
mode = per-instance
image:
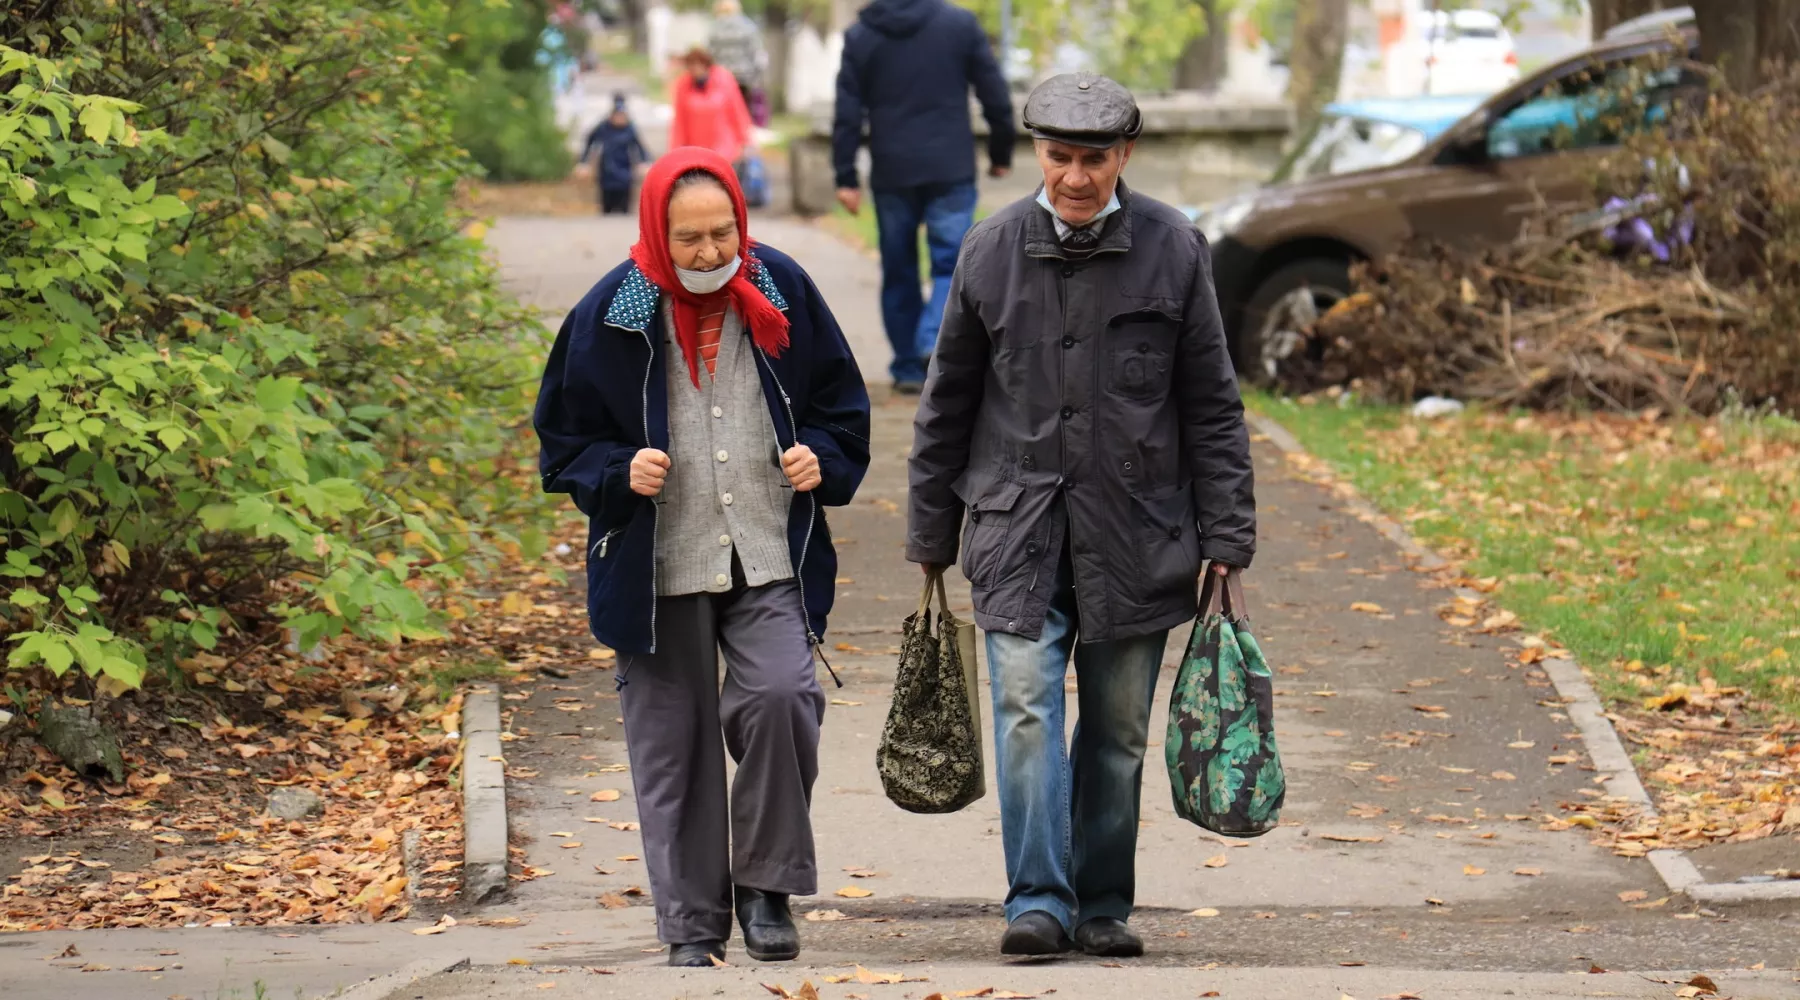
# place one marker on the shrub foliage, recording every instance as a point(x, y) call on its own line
point(256, 377)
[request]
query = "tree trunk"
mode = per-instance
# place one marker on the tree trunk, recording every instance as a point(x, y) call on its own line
point(1778, 32)
point(1204, 62)
point(1606, 13)
point(1320, 30)
point(777, 41)
point(638, 24)
point(1728, 38)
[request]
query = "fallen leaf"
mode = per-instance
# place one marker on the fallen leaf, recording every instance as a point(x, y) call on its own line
point(1704, 984)
point(780, 991)
point(1217, 861)
point(518, 961)
point(1366, 607)
point(613, 901)
point(147, 968)
point(1473, 872)
point(1521, 745)
point(883, 978)
point(1633, 895)
point(562, 833)
point(605, 795)
point(567, 844)
point(1528, 872)
point(807, 991)
point(1204, 911)
point(845, 702)
point(1428, 708)
point(547, 986)
point(823, 916)
point(1504, 776)
point(854, 892)
point(1402, 996)
point(627, 857)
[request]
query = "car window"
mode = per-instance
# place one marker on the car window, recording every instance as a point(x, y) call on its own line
point(1341, 144)
point(1592, 107)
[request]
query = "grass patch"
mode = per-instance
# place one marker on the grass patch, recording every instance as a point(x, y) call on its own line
point(458, 671)
point(1658, 552)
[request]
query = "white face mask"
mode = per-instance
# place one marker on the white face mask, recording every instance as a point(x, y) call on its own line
point(1112, 205)
point(708, 282)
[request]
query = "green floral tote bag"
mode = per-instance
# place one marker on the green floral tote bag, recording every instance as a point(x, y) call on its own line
point(929, 757)
point(1223, 765)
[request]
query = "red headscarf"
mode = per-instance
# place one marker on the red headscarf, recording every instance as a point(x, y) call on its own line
point(768, 325)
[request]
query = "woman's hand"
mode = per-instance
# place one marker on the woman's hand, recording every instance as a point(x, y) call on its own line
point(649, 468)
point(802, 468)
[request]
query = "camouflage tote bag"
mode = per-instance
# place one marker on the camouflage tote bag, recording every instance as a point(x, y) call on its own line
point(929, 757)
point(1223, 765)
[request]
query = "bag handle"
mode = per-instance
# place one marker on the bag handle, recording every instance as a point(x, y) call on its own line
point(1224, 595)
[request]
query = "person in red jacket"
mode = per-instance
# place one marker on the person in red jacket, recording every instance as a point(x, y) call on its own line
point(709, 108)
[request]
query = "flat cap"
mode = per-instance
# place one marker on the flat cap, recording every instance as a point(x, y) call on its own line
point(1083, 109)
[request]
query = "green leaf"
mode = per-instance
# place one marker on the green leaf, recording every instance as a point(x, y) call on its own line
point(65, 518)
point(84, 198)
point(132, 245)
point(165, 207)
point(59, 441)
point(204, 635)
point(171, 437)
point(276, 394)
point(97, 121)
point(27, 598)
point(277, 150)
point(344, 494)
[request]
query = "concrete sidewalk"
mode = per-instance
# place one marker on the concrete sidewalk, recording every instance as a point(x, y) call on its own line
point(1421, 766)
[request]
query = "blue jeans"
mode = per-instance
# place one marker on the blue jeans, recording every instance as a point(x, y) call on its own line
point(1069, 821)
point(946, 211)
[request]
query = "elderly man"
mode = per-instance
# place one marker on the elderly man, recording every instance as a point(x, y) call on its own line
point(1081, 409)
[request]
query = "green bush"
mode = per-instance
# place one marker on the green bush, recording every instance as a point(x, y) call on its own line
point(255, 376)
point(500, 103)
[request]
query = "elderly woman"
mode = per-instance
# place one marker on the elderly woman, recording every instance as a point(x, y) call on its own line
point(702, 408)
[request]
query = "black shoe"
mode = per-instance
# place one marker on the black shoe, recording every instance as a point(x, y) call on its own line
point(908, 387)
point(698, 955)
point(1108, 937)
point(769, 932)
point(1035, 932)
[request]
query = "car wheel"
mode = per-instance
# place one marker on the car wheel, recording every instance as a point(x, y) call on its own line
point(1276, 318)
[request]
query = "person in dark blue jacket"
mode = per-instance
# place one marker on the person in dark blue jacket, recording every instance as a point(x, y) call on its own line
point(614, 142)
point(702, 408)
point(907, 70)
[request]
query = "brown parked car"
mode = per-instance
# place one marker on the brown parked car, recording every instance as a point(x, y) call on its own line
point(1372, 175)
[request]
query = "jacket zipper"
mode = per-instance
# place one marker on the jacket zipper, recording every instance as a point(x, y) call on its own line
point(787, 404)
point(655, 512)
point(600, 546)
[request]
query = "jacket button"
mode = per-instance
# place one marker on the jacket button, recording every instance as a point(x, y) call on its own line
point(1127, 466)
point(1068, 270)
point(975, 516)
point(1028, 463)
point(723, 455)
point(1175, 532)
point(726, 499)
point(1068, 342)
point(1031, 548)
point(1067, 412)
point(1143, 348)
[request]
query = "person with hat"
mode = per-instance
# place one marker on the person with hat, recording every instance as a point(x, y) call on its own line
point(1081, 417)
point(615, 145)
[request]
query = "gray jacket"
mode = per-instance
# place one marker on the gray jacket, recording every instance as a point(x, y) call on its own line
point(1088, 401)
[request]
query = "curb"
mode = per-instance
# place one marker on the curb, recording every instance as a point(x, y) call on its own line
point(1584, 708)
point(484, 800)
point(382, 986)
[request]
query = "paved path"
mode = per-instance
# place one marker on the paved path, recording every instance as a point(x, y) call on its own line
point(1394, 726)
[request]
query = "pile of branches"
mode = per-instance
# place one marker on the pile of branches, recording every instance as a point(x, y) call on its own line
point(1580, 318)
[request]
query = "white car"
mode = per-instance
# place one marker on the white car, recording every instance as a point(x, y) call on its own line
point(1454, 52)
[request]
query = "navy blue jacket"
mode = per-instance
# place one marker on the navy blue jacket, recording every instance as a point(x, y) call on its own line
point(619, 149)
point(907, 69)
point(605, 396)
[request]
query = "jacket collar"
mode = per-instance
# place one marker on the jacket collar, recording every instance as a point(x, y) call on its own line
point(634, 303)
point(1115, 232)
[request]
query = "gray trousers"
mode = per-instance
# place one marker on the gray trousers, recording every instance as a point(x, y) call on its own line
point(678, 725)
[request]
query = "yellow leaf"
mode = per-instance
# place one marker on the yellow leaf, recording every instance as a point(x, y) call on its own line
point(1473, 872)
point(854, 892)
point(1528, 872)
point(1217, 861)
point(605, 795)
point(437, 466)
point(476, 230)
point(1366, 606)
point(1204, 911)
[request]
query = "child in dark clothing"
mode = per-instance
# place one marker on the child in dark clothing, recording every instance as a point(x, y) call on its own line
point(615, 143)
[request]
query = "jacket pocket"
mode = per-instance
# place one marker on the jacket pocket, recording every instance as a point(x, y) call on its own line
point(1168, 543)
point(988, 528)
point(1142, 351)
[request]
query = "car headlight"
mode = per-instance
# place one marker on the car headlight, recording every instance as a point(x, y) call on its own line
point(1222, 218)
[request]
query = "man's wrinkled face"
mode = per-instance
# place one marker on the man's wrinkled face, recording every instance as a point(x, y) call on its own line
point(1080, 180)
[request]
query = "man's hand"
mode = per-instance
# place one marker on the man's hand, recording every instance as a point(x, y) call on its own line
point(649, 468)
point(851, 199)
point(1220, 569)
point(998, 172)
point(801, 467)
point(931, 568)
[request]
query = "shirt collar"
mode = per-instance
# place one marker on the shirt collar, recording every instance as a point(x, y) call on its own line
point(1063, 229)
